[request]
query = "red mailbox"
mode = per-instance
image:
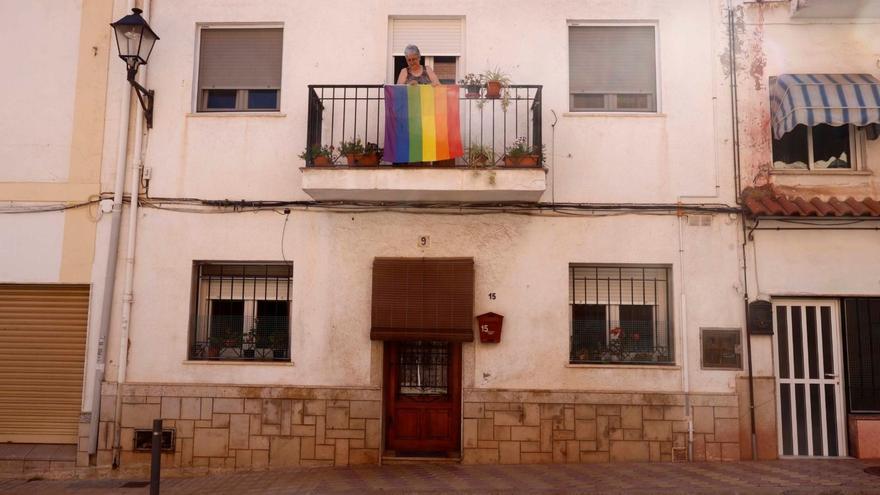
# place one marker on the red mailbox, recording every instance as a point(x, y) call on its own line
point(490, 327)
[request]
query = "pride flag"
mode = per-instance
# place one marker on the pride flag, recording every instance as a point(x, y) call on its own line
point(421, 123)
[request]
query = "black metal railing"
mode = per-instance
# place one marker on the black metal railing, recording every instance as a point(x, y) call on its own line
point(236, 337)
point(340, 112)
point(603, 341)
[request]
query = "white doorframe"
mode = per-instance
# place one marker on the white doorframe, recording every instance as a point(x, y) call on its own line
point(799, 373)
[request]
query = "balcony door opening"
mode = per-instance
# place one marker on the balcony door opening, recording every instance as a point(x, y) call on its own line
point(440, 41)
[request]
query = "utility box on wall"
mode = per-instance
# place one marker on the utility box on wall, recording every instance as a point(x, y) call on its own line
point(490, 327)
point(760, 318)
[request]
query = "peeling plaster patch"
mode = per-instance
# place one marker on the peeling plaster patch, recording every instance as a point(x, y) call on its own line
point(757, 57)
point(739, 29)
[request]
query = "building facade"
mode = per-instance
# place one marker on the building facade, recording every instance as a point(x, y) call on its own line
point(51, 146)
point(274, 311)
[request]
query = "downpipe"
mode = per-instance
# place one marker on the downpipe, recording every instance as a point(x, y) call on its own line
point(686, 383)
point(127, 295)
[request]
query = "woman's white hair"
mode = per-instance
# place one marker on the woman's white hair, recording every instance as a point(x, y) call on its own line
point(412, 49)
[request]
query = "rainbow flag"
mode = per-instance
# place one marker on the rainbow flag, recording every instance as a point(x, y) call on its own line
point(421, 123)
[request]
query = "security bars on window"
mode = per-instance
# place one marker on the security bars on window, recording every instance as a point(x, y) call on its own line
point(242, 312)
point(620, 314)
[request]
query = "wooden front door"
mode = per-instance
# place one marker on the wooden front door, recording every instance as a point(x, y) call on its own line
point(422, 398)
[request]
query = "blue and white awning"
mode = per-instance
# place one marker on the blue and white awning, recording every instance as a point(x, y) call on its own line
point(813, 99)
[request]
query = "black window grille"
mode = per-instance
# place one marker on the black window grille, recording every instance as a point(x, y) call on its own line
point(423, 368)
point(241, 312)
point(620, 314)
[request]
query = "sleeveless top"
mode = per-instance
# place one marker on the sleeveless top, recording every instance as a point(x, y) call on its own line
point(422, 79)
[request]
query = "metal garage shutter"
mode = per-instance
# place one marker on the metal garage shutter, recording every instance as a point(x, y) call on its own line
point(42, 350)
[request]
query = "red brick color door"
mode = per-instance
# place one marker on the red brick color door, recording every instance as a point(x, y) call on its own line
point(422, 398)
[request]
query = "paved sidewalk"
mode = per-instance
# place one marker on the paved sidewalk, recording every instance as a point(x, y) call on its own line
point(844, 476)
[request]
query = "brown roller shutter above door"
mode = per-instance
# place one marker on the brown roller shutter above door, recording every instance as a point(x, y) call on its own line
point(240, 58)
point(423, 299)
point(42, 351)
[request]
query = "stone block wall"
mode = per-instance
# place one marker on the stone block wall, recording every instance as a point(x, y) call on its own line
point(525, 427)
point(246, 428)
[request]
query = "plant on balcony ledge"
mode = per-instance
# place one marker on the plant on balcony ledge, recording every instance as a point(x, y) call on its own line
point(497, 86)
point(521, 154)
point(319, 156)
point(473, 84)
point(356, 153)
point(479, 156)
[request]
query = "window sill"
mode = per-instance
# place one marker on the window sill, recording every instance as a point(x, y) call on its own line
point(664, 367)
point(199, 115)
point(643, 115)
point(797, 171)
point(239, 363)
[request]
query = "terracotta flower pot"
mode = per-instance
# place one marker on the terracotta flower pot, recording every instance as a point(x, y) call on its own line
point(524, 161)
point(362, 159)
point(493, 89)
point(479, 161)
point(322, 161)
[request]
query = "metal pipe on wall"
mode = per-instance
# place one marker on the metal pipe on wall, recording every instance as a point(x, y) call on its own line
point(110, 270)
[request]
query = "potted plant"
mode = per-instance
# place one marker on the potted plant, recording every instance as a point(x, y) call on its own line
point(356, 153)
point(495, 81)
point(372, 154)
point(479, 156)
point(521, 154)
point(473, 83)
point(319, 156)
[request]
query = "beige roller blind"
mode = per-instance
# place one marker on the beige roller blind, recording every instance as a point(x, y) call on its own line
point(612, 59)
point(432, 36)
point(240, 58)
point(42, 351)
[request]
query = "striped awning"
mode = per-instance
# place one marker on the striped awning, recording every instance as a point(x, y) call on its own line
point(813, 99)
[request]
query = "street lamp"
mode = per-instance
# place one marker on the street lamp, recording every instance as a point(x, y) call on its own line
point(135, 40)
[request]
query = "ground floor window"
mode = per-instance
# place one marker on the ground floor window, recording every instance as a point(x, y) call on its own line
point(619, 314)
point(862, 336)
point(241, 311)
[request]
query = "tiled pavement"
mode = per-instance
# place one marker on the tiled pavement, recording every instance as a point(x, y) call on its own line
point(774, 477)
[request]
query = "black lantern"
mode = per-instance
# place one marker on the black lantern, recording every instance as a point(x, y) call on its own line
point(135, 40)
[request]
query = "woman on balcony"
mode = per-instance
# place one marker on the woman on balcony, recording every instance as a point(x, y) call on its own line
point(414, 72)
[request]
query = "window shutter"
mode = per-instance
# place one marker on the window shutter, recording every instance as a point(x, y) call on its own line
point(613, 60)
point(432, 36)
point(240, 58)
point(423, 299)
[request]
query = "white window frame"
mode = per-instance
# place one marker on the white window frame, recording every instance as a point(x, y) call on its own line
point(857, 148)
point(605, 23)
point(429, 58)
point(196, 94)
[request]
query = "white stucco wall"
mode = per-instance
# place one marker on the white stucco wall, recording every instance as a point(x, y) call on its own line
point(30, 247)
point(39, 49)
point(683, 150)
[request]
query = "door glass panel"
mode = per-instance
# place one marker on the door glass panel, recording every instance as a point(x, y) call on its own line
point(797, 341)
point(831, 419)
point(782, 337)
point(785, 409)
point(802, 417)
point(815, 403)
point(423, 368)
point(812, 342)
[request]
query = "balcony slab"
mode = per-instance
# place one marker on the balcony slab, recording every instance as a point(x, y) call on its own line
point(425, 185)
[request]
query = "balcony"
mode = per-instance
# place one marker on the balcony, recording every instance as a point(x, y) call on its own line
point(348, 112)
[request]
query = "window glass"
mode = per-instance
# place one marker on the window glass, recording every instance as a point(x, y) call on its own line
point(792, 151)
point(262, 99)
point(831, 146)
point(221, 99)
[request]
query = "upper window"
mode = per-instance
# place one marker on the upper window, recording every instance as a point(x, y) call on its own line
point(239, 69)
point(619, 314)
point(816, 148)
point(439, 41)
point(612, 68)
point(241, 312)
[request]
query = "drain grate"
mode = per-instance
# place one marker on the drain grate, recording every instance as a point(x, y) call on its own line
point(875, 470)
point(135, 484)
